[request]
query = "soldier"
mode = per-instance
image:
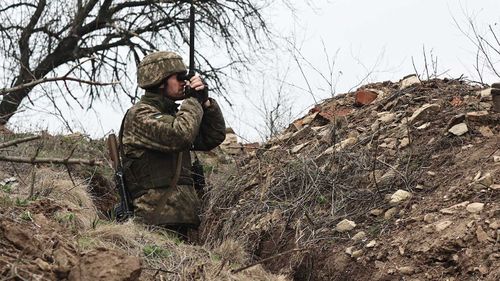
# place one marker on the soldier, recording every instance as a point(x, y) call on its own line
point(156, 137)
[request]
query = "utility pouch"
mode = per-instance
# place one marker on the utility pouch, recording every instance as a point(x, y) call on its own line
point(198, 174)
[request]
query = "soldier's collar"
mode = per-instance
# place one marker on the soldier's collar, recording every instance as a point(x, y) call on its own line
point(163, 103)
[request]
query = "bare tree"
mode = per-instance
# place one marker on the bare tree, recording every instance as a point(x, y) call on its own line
point(487, 43)
point(96, 39)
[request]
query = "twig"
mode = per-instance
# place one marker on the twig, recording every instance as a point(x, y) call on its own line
point(34, 160)
point(53, 79)
point(161, 270)
point(267, 259)
point(18, 141)
point(32, 185)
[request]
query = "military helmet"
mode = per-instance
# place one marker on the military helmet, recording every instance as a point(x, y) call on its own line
point(157, 66)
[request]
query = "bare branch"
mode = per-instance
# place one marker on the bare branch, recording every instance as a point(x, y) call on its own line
point(63, 161)
point(18, 141)
point(53, 79)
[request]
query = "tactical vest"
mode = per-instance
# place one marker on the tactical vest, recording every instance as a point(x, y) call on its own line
point(155, 169)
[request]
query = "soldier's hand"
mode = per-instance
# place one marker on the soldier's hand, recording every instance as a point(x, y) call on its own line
point(199, 89)
point(197, 83)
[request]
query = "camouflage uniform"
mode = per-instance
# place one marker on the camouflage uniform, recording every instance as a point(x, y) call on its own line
point(153, 133)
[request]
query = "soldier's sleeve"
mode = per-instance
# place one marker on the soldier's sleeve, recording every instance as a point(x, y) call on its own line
point(212, 129)
point(148, 128)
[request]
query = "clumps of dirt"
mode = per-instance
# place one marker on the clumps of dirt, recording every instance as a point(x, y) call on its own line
point(358, 191)
point(51, 229)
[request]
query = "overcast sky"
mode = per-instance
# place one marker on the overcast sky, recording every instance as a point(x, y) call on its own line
point(370, 40)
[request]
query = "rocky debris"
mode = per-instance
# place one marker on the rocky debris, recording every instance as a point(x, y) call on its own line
point(475, 207)
point(359, 236)
point(357, 254)
point(430, 136)
point(459, 129)
point(345, 225)
point(399, 197)
point(486, 180)
point(364, 97)
point(424, 112)
point(371, 244)
point(230, 145)
point(386, 117)
point(376, 212)
point(485, 94)
point(455, 208)
point(406, 270)
point(442, 225)
point(409, 80)
point(105, 264)
point(389, 214)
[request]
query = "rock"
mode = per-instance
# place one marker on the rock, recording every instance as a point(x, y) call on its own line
point(404, 142)
point(455, 208)
point(420, 187)
point(390, 143)
point(8, 180)
point(389, 214)
point(364, 97)
point(424, 112)
point(486, 180)
point(376, 212)
point(104, 264)
point(495, 225)
point(496, 158)
point(486, 132)
point(495, 186)
point(345, 225)
point(400, 196)
point(406, 270)
point(457, 119)
point(349, 250)
point(409, 80)
point(387, 178)
point(481, 235)
point(357, 254)
point(346, 143)
point(442, 225)
point(485, 94)
point(459, 129)
point(386, 117)
point(297, 148)
point(476, 115)
point(43, 265)
point(430, 218)
point(475, 207)
point(359, 236)
point(371, 244)
point(424, 126)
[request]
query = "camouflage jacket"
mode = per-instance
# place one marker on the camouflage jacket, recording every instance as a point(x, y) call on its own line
point(153, 133)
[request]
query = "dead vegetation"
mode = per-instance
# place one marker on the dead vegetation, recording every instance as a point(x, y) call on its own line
point(343, 183)
point(403, 187)
point(52, 226)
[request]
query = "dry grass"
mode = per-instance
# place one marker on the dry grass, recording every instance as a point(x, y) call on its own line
point(72, 205)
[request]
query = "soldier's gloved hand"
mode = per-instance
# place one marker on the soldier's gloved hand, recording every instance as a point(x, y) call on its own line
point(198, 89)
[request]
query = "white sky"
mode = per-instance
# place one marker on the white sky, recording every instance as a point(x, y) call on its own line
point(377, 37)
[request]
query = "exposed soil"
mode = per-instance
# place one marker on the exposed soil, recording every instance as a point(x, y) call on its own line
point(405, 187)
point(345, 162)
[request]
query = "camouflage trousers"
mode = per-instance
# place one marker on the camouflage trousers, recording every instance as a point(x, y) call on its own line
point(181, 208)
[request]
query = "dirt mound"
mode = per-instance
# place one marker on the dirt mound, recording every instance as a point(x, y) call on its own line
point(402, 187)
point(52, 225)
